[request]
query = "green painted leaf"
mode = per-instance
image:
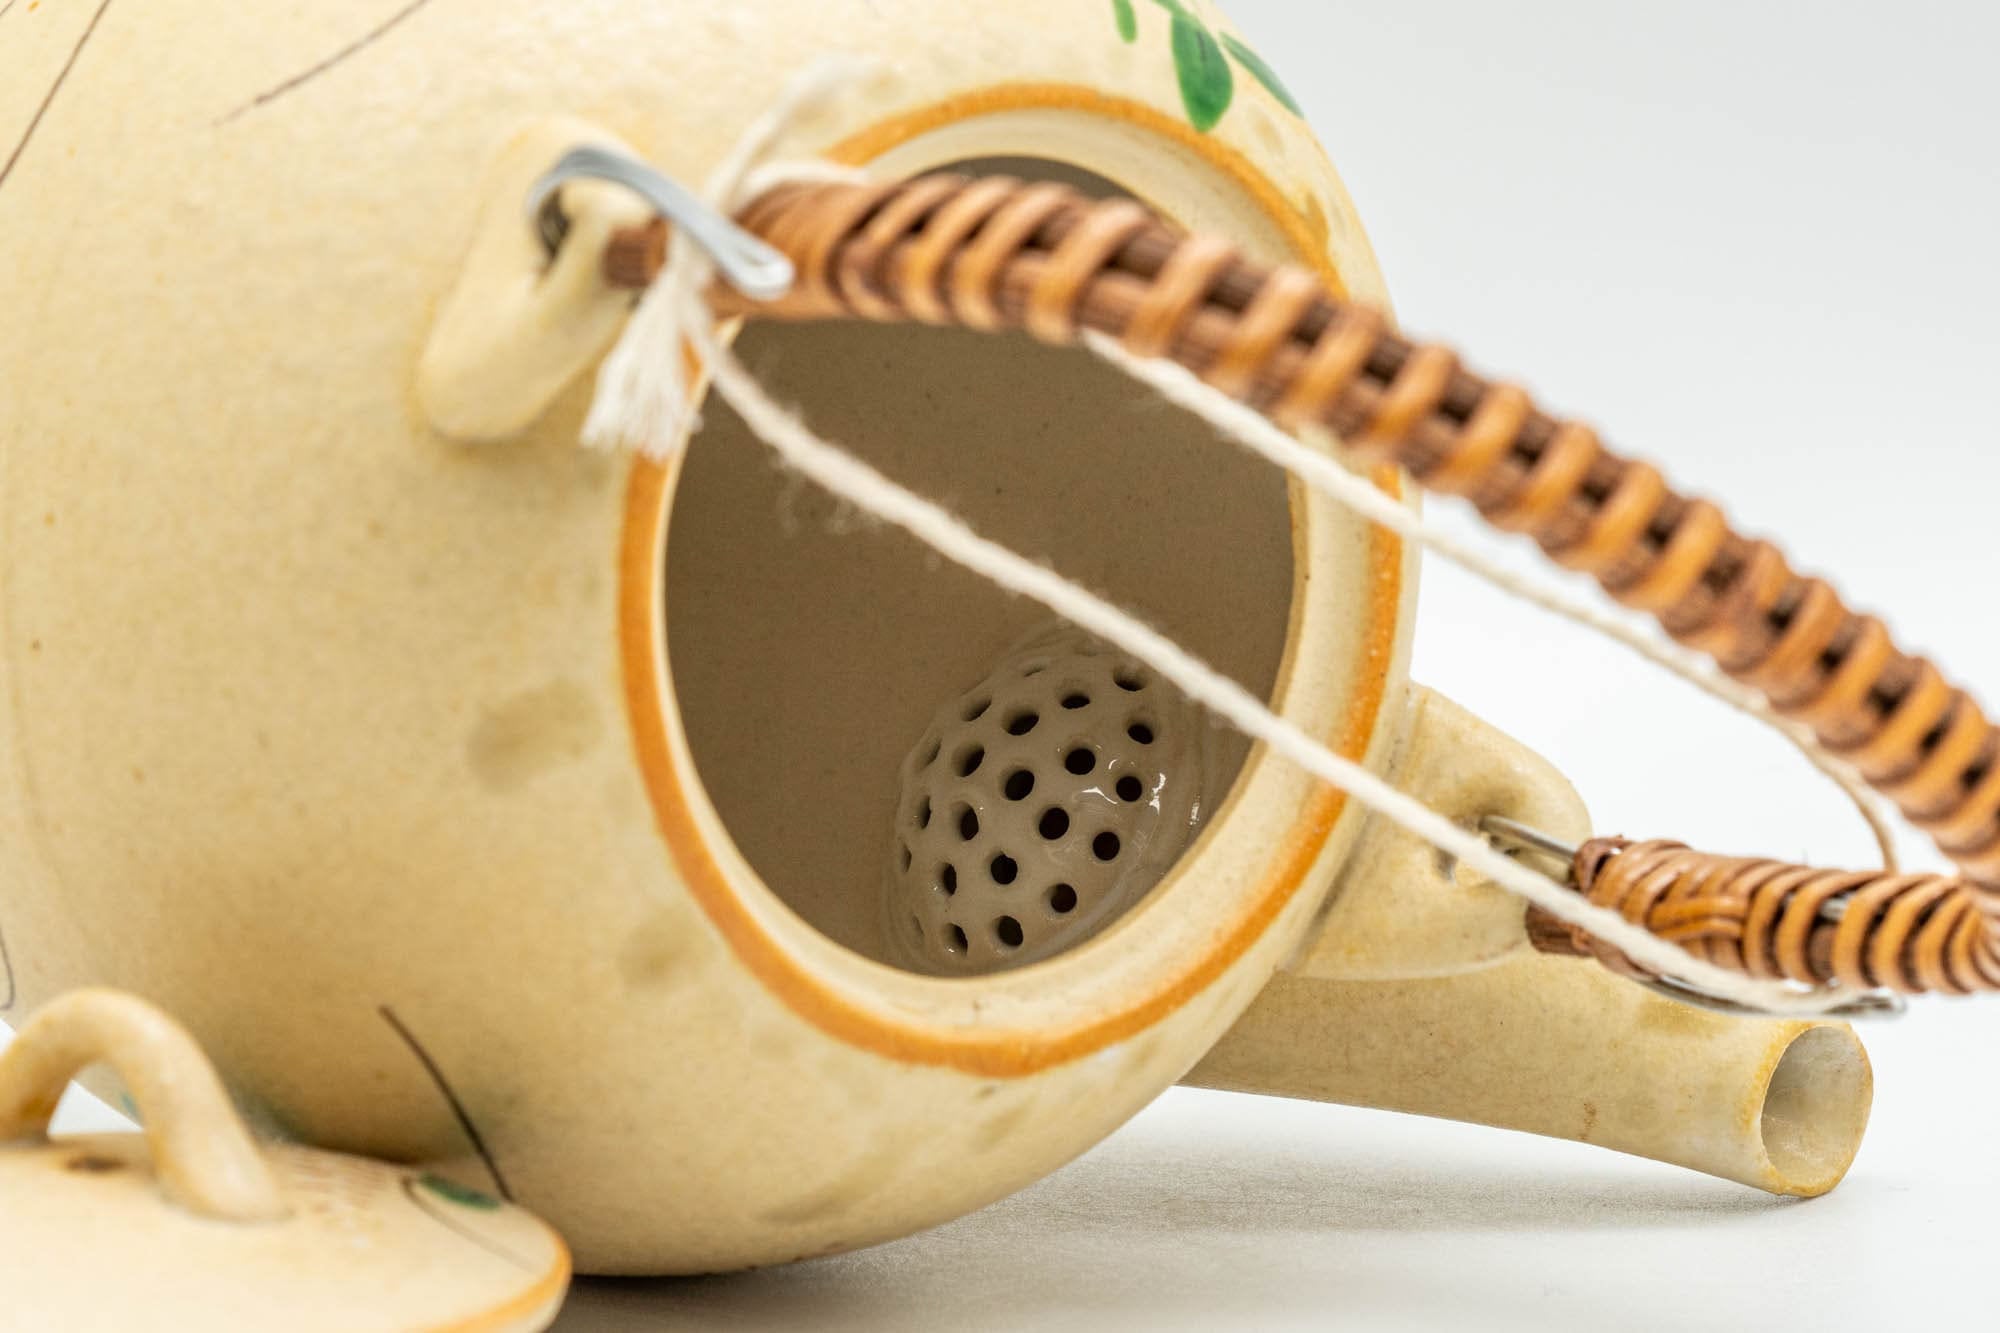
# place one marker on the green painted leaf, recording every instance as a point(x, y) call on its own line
point(1206, 83)
point(1128, 20)
point(463, 1195)
point(1265, 75)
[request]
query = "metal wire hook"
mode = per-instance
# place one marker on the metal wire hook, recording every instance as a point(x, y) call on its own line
point(747, 263)
point(1512, 835)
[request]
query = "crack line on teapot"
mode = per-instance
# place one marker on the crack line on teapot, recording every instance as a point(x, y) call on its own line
point(458, 1110)
point(307, 75)
point(35, 122)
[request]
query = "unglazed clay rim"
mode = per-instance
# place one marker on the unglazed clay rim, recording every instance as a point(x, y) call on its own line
point(869, 1004)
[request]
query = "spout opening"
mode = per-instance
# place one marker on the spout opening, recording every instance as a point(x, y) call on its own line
point(1816, 1109)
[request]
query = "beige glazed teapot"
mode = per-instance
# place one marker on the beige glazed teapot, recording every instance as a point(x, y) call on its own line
point(653, 845)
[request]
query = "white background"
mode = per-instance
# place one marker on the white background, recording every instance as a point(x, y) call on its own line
point(1754, 241)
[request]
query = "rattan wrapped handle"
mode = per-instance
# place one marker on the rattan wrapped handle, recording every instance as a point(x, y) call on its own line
point(998, 254)
point(1864, 930)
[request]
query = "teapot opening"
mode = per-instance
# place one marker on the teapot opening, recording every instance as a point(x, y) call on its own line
point(809, 650)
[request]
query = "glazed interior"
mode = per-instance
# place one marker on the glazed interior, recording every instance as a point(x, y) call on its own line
point(810, 649)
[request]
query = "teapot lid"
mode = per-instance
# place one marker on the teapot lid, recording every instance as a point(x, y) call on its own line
point(192, 1222)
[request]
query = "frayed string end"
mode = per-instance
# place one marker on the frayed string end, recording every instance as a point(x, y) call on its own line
point(645, 398)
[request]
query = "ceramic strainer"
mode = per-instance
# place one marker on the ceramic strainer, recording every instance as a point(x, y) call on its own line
point(1039, 805)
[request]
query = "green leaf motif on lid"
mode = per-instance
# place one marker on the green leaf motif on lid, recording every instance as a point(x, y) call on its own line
point(1263, 73)
point(463, 1195)
point(1128, 20)
point(1206, 83)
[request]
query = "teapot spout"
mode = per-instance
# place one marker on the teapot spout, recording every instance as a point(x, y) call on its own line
point(1562, 1048)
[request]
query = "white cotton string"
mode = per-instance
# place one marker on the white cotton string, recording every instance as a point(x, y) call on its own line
point(868, 490)
point(1321, 471)
point(642, 397)
point(636, 406)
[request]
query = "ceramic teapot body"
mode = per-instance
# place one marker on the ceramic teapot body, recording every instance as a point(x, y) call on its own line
point(519, 810)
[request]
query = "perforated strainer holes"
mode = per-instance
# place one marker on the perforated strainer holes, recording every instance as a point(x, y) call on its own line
point(1059, 790)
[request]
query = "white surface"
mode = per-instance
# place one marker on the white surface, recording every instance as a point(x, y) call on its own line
point(1752, 241)
point(1218, 1212)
